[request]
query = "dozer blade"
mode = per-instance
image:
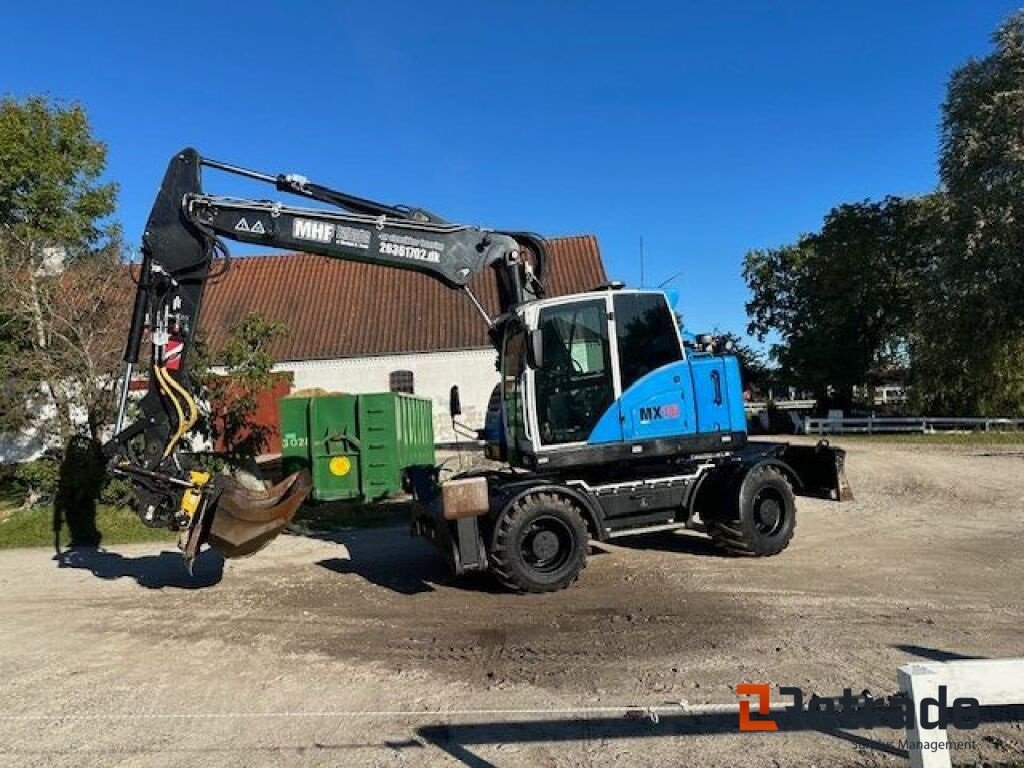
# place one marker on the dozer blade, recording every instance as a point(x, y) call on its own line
point(821, 469)
point(245, 521)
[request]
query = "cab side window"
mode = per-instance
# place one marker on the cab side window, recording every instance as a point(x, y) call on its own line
point(647, 337)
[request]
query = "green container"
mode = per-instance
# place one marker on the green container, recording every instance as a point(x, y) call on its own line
point(356, 447)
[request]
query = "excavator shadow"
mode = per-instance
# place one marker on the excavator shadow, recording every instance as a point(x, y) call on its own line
point(458, 740)
point(680, 542)
point(165, 570)
point(391, 558)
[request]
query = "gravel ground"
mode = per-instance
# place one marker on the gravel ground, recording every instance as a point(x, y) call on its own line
point(128, 661)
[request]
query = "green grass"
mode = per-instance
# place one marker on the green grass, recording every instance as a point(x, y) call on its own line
point(10, 499)
point(34, 527)
point(939, 438)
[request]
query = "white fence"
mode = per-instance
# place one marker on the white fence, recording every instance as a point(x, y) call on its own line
point(756, 406)
point(838, 425)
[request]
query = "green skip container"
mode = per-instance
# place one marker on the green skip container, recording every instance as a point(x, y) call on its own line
point(355, 447)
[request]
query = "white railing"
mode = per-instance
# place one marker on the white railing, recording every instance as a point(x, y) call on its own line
point(918, 424)
point(756, 406)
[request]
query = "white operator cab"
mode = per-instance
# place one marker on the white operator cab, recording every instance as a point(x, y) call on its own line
point(569, 360)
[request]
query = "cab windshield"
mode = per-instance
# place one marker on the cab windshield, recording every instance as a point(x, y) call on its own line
point(574, 387)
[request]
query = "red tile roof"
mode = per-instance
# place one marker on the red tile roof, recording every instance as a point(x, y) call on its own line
point(347, 309)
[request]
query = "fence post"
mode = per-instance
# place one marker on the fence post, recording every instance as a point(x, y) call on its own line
point(991, 682)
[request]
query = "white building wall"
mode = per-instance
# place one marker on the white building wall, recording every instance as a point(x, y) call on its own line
point(25, 446)
point(41, 435)
point(434, 373)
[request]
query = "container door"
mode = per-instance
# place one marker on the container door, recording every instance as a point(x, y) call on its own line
point(335, 447)
point(293, 416)
point(381, 467)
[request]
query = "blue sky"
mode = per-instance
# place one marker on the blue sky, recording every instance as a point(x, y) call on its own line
point(707, 129)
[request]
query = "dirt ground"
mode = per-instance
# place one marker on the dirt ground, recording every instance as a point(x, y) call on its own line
point(343, 651)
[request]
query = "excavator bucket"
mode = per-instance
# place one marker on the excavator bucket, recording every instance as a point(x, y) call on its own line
point(245, 521)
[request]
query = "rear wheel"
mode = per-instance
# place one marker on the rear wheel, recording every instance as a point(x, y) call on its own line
point(539, 544)
point(759, 519)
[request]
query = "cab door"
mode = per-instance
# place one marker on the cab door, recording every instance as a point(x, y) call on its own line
point(575, 385)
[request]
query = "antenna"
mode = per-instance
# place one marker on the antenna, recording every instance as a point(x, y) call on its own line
point(642, 254)
point(668, 280)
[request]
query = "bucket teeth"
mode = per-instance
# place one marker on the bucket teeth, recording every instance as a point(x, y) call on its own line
point(245, 521)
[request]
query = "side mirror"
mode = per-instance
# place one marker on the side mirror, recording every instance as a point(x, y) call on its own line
point(535, 349)
point(454, 403)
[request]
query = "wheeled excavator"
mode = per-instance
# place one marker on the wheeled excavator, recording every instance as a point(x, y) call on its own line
point(604, 423)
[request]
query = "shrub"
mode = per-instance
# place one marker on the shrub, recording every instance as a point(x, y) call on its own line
point(117, 492)
point(38, 480)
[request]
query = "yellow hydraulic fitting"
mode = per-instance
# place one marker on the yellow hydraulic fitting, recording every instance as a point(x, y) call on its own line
point(190, 498)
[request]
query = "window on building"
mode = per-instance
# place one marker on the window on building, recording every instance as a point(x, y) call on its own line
point(401, 381)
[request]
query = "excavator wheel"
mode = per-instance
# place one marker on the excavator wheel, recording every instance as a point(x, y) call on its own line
point(756, 519)
point(243, 521)
point(540, 544)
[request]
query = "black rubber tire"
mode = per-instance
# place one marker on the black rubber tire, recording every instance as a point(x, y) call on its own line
point(757, 519)
point(516, 530)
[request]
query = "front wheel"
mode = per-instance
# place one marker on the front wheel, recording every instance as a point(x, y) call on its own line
point(759, 519)
point(539, 544)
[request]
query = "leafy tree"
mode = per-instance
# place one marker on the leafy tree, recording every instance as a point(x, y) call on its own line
point(968, 352)
point(842, 301)
point(231, 397)
point(757, 374)
point(57, 249)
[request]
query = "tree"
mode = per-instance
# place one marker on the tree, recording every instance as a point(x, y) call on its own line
point(842, 301)
point(969, 349)
point(82, 317)
point(231, 398)
point(59, 257)
point(757, 375)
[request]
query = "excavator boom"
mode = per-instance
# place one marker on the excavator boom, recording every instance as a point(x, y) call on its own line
point(183, 249)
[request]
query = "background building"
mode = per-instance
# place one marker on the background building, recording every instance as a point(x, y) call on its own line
point(363, 328)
